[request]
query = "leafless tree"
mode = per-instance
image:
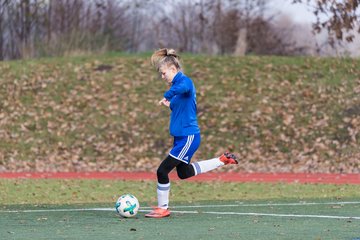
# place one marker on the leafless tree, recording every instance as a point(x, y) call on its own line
point(33, 28)
point(3, 6)
point(264, 38)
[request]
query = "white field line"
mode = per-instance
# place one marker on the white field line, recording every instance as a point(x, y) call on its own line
point(211, 212)
point(191, 206)
point(272, 215)
point(188, 212)
point(263, 205)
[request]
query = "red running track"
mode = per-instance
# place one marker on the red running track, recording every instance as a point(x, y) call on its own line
point(227, 177)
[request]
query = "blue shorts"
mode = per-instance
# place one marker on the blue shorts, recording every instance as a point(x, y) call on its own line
point(185, 147)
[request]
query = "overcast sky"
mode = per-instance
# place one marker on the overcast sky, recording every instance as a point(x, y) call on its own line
point(298, 12)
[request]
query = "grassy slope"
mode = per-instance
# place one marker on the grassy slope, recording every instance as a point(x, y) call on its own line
point(277, 113)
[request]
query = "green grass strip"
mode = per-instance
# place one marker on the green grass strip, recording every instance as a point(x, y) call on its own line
point(51, 191)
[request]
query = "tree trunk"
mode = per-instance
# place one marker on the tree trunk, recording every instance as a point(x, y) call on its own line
point(240, 48)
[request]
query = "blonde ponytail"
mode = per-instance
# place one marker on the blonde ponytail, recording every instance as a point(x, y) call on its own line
point(165, 56)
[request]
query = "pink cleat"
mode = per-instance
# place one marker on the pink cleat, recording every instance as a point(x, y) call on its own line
point(158, 213)
point(228, 158)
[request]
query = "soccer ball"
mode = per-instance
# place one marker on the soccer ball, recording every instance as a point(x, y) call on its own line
point(127, 205)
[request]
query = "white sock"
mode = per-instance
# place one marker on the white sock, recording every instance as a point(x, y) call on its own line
point(207, 165)
point(163, 191)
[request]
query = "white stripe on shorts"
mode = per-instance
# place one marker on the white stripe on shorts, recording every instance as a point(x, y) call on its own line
point(186, 147)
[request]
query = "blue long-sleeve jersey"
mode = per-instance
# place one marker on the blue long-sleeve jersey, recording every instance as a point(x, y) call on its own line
point(182, 97)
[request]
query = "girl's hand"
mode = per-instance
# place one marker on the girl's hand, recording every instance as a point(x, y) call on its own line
point(164, 102)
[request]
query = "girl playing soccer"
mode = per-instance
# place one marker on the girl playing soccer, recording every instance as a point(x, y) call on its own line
point(181, 99)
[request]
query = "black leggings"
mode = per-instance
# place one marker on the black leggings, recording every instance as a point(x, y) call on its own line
point(183, 170)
